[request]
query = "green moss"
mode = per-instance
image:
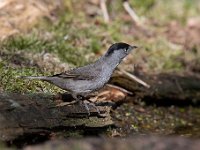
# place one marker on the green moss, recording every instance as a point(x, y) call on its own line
point(10, 80)
point(95, 45)
point(157, 120)
point(159, 56)
point(35, 43)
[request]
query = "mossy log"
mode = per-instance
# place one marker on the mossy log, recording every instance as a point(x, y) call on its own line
point(37, 113)
point(165, 89)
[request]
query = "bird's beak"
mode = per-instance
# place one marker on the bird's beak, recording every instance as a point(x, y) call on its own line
point(133, 47)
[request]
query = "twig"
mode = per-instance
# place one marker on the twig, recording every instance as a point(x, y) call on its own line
point(131, 12)
point(104, 10)
point(135, 78)
point(119, 88)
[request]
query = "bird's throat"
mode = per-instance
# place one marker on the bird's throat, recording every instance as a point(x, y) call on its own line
point(110, 62)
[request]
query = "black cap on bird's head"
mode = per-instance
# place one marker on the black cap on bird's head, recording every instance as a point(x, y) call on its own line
point(126, 48)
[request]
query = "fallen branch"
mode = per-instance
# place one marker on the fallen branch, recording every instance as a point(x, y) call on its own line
point(131, 12)
point(166, 89)
point(104, 11)
point(37, 113)
point(133, 77)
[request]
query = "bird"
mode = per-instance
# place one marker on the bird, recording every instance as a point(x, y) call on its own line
point(82, 81)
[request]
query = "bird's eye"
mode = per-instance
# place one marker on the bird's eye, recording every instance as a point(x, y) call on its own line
point(126, 50)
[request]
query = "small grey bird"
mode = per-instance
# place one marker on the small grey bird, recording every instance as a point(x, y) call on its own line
point(84, 80)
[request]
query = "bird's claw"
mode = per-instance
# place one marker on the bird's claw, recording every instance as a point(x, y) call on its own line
point(92, 105)
point(83, 103)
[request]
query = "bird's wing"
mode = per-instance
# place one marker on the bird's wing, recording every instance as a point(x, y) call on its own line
point(77, 74)
point(65, 75)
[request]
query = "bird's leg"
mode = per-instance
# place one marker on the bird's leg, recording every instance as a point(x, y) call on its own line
point(93, 105)
point(80, 100)
point(76, 100)
point(86, 107)
point(86, 103)
point(67, 103)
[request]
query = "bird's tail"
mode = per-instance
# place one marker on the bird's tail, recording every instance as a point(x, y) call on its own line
point(34, 77)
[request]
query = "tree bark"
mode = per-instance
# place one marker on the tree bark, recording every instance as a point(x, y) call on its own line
point(37, 113)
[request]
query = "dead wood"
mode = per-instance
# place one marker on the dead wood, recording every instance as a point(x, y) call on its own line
point(37, 113)
point(167, 89)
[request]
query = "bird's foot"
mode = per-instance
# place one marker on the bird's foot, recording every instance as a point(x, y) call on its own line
point(86, 107)
point(88, 103)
